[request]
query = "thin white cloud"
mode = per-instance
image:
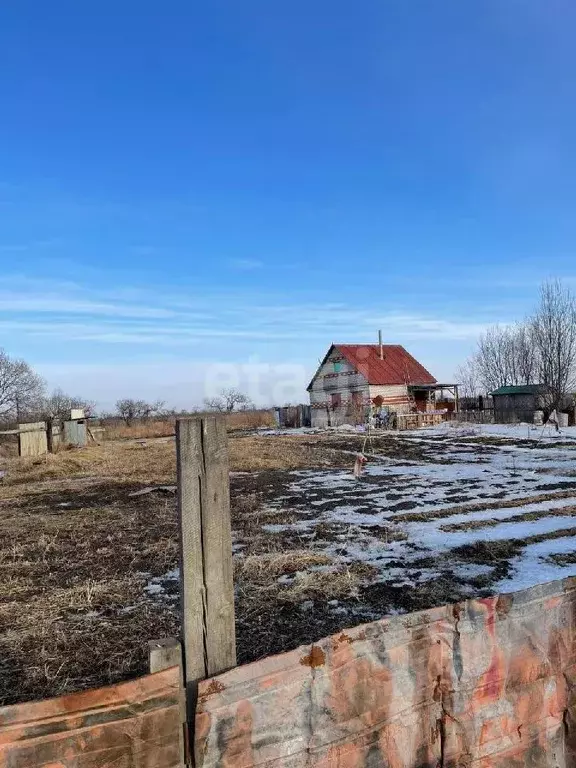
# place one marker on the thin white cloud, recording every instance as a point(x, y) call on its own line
point(415, 326)
point(138, 333)
point(56, 304)
point(246, 264)
point(13, 247)
point(69, 311)
point(33, 245)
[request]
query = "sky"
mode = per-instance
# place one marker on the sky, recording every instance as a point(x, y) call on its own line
point(202, 195)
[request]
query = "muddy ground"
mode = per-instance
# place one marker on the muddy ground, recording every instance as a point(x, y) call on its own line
point(88, 570)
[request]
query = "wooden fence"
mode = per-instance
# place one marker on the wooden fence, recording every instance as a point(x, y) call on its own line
point(485, 416)
point(40, 437)
point(491, 416)
point(291, 416)
point(418, 420)
point(32, 439)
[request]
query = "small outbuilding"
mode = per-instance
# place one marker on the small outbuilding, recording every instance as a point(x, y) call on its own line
point(518, 402)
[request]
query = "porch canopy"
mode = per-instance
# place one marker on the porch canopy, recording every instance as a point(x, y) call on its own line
point(424, 391)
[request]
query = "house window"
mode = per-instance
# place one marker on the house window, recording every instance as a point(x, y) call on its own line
point(337, 366)
point(335, 399)
point(357, 398)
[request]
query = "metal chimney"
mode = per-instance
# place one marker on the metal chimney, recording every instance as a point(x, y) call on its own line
point(380, 345)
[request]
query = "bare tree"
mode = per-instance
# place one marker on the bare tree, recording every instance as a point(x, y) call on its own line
point(146, 410)
point(539, 350)
point(553, 329)
point(234, 398)
point(127, 408)
point(20, 387)
point(492, 358)
point(467, 378)
point(505, 356)
point(524, 354)
point(58, 405)
point(214, 404)
point(228, 400)
point(130, 409)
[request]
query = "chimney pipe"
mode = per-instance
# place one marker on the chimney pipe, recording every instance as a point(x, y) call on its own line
point(380, 345)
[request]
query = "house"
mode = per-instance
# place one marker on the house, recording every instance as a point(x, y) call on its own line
point(353, 377)
point(518, 402)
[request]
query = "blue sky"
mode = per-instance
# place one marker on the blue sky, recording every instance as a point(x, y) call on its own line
point(194, 195)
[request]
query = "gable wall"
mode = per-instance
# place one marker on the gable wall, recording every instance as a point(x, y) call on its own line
point(345, 381)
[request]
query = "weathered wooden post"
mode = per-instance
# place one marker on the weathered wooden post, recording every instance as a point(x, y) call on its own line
point(206, 569)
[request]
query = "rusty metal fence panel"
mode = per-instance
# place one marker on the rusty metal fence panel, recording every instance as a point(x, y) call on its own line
point(130, 725)
point(487, 683)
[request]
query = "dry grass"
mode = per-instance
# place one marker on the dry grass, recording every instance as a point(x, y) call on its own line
point(481, 506)
point(150, 428)
point(271, 565)
point(120, 461)
point(76, 551)
point(142, 430)
point(320, 585)
point(250, 419)
point(567, 558)
point(252, 453)
point(520, 518)
point(73, 557)
point(155, 460)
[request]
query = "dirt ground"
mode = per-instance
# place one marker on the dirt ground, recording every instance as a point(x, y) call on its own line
point(87, 570)
point(77, 552)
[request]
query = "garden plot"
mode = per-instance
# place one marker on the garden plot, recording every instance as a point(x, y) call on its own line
point(438, 516)
point(460, 517)
point(89, 554)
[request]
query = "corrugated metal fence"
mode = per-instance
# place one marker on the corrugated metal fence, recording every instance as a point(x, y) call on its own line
point(488, 683)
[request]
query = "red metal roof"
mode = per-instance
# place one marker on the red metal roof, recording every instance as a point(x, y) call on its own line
point(397, 367)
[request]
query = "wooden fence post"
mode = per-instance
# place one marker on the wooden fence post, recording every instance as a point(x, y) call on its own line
point(206, 569)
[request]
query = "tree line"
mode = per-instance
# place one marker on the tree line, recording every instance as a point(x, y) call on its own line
point(130, 410)
point(23, 394)
point(23, 397)
point(541, 349)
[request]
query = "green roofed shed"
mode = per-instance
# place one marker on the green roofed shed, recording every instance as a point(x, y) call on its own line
point(520, 389)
